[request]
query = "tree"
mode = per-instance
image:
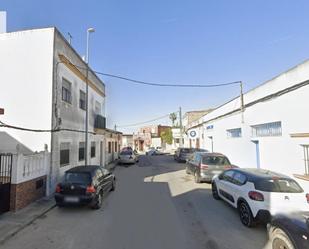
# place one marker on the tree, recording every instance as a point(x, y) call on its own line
point(173, 117)
point(167, 136)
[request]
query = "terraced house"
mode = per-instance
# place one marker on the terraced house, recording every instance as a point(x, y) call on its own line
point(45, 91)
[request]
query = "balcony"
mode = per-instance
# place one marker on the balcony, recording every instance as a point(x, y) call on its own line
point(99, 122)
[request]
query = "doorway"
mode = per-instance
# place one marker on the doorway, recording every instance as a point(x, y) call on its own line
point(257, 152)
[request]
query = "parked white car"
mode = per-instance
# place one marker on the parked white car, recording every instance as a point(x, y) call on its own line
point(128, 157)
point(259, 194)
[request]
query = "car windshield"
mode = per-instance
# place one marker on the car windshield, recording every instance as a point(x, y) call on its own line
point(126, 153)
point(215, 160)
point(278, 185)
point(77, 177)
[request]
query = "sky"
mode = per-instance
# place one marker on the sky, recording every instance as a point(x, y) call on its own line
point(174, 41)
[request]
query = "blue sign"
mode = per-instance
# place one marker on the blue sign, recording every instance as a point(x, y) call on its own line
point(192, 133)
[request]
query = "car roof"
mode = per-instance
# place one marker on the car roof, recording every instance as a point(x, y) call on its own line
point(204, 153)
point(255, 173)
point(84, 169)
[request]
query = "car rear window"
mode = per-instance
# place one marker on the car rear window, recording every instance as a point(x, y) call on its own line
point(186, 150)
point(215, 160)
point(278, 185)
point(127, 152)
point(77, 177)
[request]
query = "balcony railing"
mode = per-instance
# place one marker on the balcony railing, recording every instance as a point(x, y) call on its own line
point(100, 122)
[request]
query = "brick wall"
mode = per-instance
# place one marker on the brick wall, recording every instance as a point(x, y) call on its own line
point(24, 193)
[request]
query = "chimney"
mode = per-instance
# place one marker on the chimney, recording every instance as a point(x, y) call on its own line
point(2, 22)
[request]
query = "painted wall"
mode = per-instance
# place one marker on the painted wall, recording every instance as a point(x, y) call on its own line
point(26, 60)
point(279, 153)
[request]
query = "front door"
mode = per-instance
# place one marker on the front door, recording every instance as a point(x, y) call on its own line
point(257, 152)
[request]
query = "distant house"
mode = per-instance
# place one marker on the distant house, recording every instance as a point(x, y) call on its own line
point(9, 144)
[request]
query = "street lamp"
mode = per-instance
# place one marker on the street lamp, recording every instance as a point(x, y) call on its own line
point(90, 30)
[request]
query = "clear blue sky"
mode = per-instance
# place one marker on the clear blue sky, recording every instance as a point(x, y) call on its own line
point(175, 41)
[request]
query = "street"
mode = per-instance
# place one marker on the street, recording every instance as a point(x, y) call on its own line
point(155, 205)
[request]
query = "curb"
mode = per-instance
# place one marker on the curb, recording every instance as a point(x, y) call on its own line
point(20, 228)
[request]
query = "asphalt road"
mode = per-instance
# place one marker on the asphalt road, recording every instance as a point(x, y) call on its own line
point(155, 206)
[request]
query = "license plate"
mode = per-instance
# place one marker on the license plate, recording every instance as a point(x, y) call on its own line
point(71, 199)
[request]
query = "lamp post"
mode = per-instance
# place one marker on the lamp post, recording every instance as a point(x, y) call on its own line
point(90, 30)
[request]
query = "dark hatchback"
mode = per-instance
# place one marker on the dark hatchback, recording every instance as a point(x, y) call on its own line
point(289, 231)
point(84, 185)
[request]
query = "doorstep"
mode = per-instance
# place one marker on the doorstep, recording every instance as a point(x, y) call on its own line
point(13, 222)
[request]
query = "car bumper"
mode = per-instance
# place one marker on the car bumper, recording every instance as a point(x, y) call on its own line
point(126, 161)
point(208, 176)
point(66, 200)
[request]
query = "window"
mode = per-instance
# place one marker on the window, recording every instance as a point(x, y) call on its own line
point(216, 160)
point(109, 147)
point(283, 185)
point(239, 179)
point(66, 91)
point(92, 149)
point(306, 157)
point(77, 177)
point(64, 154)
point(81, 151)
point(267, 130)
point(177, 140)
point(232, 133)
point(82, 100)
point(228, 176)
point(97, 107)
point(116, 146)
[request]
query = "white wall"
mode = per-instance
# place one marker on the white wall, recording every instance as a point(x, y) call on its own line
point(26, 59)
point(282, 154)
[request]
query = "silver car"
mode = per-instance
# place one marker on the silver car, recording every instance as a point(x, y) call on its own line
point(205, 165)
point(128, 157)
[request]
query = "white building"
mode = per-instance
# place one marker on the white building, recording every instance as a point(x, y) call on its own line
point(43, 85)
point(271, 133)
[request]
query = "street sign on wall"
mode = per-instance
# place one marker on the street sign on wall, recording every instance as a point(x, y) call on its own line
point(193, 134)
point(1, 111)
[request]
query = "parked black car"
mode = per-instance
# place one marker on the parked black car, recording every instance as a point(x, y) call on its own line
point(289, 231)
point(183, 154)
point(85, 185)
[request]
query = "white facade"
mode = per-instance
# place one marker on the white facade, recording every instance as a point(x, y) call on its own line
point(281, 105)
point(35, 66)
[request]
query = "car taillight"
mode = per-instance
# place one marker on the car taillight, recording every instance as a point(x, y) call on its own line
point(203, 166)
point(90, 189)
point(307, 197)
point(58, 188)
point(256, 196)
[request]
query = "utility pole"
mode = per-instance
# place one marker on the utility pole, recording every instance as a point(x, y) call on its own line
point(242, 108)
point(181, 128)
point(115, 127)
point(90, 30)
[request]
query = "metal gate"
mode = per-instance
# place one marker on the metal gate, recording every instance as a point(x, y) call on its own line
point(5, 181)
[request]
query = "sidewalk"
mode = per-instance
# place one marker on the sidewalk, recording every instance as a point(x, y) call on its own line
point(111, 166)
point(13, 222)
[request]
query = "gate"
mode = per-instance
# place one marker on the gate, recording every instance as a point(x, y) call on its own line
point(5, 181)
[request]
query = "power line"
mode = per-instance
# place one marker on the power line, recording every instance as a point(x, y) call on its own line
point(144, 122)
point(41, 130)
point(162, 84)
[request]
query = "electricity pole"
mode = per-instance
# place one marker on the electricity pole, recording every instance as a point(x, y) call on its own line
point(242, 108)
point(180, 128)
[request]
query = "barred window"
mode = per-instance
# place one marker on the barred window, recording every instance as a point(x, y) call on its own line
point(232, 133)
point(82, 100)
point(109, 147)
point(81, 151)
point(267, 130)
point(64, 154)
point(66, 91)
point(92, 149)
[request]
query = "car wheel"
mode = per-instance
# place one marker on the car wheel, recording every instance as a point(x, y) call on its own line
point(280, 240)
point(214, 190)
point(197, 177)
point(99, 201)
point(245, 214)
point(113, 185)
